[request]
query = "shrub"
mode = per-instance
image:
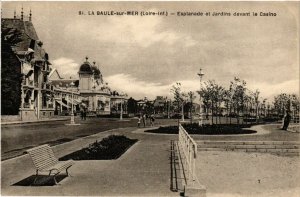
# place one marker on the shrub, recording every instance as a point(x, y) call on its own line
point(111, 147)
point(217, 129)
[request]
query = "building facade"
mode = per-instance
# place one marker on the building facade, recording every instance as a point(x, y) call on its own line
point(24, 55)
point(31, 89)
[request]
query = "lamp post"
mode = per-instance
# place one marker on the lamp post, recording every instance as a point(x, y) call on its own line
point(72, 113)
point(169, 102)
point(121, 110)
point(200, 74)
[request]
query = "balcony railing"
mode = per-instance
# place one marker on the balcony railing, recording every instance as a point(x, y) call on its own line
point(47, 87)
point(48, 106)
point(28, 82)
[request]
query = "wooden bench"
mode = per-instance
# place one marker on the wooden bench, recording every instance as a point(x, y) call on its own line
point(45, 161)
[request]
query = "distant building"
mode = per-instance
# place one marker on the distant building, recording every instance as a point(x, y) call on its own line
point(64, 89)
point(95, 94)
point(89, 91)
point(160, 104)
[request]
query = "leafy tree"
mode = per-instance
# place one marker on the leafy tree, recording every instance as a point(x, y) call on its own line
point(214, 94)
point(132, 106)
point(283, 102)
point(11, 77)
point(191, 96)
point(149, 108)
point(238, 90)
point(256, 101)
point(179, 97)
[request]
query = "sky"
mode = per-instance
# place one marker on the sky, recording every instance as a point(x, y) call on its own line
point(145, 55)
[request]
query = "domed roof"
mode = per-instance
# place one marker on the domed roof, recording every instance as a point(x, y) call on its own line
point(96, 71)
point(86, 68)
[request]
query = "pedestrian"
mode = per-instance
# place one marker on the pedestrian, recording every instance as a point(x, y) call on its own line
point(84, 113)
point(286, 120)
point(139, 121)
point(152, 119)
point(144, 120)
point(81, 113)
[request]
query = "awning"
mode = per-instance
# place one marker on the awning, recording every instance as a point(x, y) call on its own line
point(62, 104)
point(76, 101)
point(70, 101)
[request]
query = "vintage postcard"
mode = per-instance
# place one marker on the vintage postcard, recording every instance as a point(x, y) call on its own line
point(150, 98)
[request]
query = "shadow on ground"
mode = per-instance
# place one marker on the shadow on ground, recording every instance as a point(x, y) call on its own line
point(41, 180)
point(175, 179)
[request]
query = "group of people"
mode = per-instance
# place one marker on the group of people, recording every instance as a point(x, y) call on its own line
point(144, 117)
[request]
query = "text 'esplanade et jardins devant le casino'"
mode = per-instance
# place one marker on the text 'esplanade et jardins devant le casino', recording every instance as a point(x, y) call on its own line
point(177, 13)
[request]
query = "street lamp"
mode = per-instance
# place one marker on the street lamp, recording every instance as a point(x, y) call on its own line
point(121, 111)
point(72, 113)
point(200, 74)
point(169, 102)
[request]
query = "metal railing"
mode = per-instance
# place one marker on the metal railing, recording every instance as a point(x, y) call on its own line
point(189, 149)
point(28, 82)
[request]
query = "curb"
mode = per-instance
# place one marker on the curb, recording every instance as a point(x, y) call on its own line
point(34, 121)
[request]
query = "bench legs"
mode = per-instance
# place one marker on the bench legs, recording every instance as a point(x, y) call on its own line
point(36, 176)
point(54, 175)
point(68, 174)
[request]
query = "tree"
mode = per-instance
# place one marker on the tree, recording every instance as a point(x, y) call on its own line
point(214, 94)
point(256, 101)
point(132, 106)
point(191, 96)
point(11, 76)
point(178, 98)
point(149, 108)
point(283, 102)
point(238, 90)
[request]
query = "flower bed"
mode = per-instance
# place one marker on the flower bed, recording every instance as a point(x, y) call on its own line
point(220, 129)
point(111, 147)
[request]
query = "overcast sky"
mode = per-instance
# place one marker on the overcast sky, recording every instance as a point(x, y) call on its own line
point(145, 55)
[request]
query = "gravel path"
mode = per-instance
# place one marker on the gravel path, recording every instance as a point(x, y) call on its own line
point(248, 174)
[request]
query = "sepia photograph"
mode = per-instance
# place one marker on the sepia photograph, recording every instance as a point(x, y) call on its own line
point(150, 98)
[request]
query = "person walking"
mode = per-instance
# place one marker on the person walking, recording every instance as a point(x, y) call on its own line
point(144, 120)
point(81, 113)
point(152, 119)
point(84, 113)
point(286, 120)
point(139, 121)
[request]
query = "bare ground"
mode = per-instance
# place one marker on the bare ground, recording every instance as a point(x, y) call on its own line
point(235, 174)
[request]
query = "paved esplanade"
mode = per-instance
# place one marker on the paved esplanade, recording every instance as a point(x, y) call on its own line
point(143, 170)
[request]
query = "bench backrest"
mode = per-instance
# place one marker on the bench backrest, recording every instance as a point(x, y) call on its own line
point(42, 156)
